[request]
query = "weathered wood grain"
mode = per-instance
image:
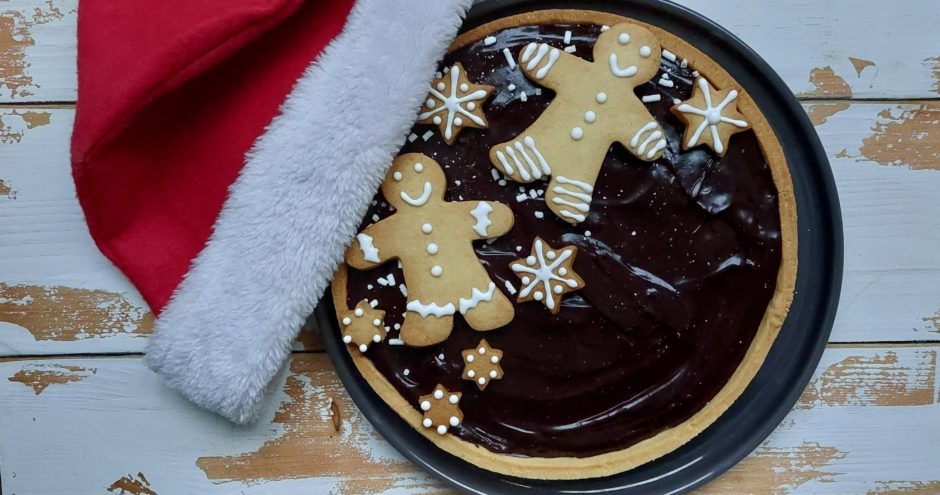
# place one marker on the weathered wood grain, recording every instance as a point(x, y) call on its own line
point(117, 422)
point(833, 49)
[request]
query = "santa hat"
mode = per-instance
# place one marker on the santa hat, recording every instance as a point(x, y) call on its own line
point(224, 154)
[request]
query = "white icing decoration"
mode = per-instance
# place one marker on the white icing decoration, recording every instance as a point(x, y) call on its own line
point(570, 49)
point(712, 115)
point(376, 322)
point(438, 394)
point(623, 38)
point(645, 51)
point(453, 400)
point(470, 358)
point(489, 40)
point(458, 122)
point(668, 55)
point(347, 321)
point(452, 103)
point(419, 167)
point(427, 422)
point(510, 288)
point(481, 381)
point(420, 200)
point(652, 137)
point(652, 132)
point(426, 228)
point(347, 338)
point(453, 419)
point(544, 273)
point(376, 339)
point(493, 374)
point(476, 297)
point(369, 251)
point(651, 98)
point(437, 271)
point(431, 309)
point(577, 133)
point(482, 350)
point(601, 97)
point(471, 373)
point(359, 312)
point(494, 359)
point(397, 176)
point(363, 348)
point(432, 248)
point(615, 69)
point(574, 182)
point(567, 37)
point(543, 49)
point(441, 429)
point(509, 59)
point(464, 87)
point(482, 215)
point(666, 83)
point(590, 117)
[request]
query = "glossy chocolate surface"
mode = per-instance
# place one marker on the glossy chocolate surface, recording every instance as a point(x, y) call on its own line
point(680, 259)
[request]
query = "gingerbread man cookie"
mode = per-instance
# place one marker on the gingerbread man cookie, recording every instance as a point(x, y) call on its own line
point(595, 106)
point(433, 240)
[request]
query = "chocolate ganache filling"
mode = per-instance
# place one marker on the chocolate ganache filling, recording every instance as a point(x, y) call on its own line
point(680, 258)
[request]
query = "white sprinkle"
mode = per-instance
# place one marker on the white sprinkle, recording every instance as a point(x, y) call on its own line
point(412, 137)
point(427, 135)
point(397, 342)
point(633, 233)
point(651, 98)
point(605, 27)
point(403, 289)
point(397, 326)
point(509, 59)
point(494, 173)
point(684, 63)
point(373, 303)
point(521, 197)
point(570, 49)
point(695, 73)
point(407, 371)
point(399, 264)
point(391, 279)
point(489, 40)
point(511, 87)
point(523, 96)
point(539, 214)
point(567, 37)
point(509, 288)
point(668, 55)
point(382, 282)
point(438, 75)
point(522, 189)
point(667, 83)
point(541, 192)
point(538, 91)
point(501, 182)
point(665, 76)
point(369, 286)
point(533, 194)
point(441, 357)
point(457, 182)
point(518, 248)
point(676, 101)
point(375, 218)
point(587, 233)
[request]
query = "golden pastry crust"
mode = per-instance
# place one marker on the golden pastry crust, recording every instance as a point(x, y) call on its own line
point(610, 463)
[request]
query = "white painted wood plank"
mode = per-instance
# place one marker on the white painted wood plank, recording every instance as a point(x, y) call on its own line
point(77, 425)
point(803, 40)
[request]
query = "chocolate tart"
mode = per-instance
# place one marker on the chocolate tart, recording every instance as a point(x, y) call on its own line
point(687, 264)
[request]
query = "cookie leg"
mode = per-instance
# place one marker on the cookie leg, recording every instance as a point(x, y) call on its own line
point(490, 315)
point(420, 332)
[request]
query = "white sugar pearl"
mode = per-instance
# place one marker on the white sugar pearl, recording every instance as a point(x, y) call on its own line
point(454, 421)
point(376, 338)
point(347, 321)
point(494, 359)
point(440, 86)
point(458, 122)
point(432, 248)
point(363, 348)
point(471, 373)
point(538, 295)
point(436, 270)
point(437, 120)
point(562, 271)
point(526, 280)
point(590, 117)
point(347, 339)
point(358, 312)
point(471, 106)
point(427, 422)
point(376, 322)
point(397, 176)
point(441, 429)
point(601, 97)
point(481, 381)
point(464, 87)
point(530, 260)
point(577, 133)
point(645, 51)
point(438, 394)
point(623, 38)
point(426, 228)
point(425, 405)
point(558, 289)
point(550, 255)
point(482, 350)
point(469, 358)
point(453, 399)
point(430, 103)
point(493, 374)
point(419, 167)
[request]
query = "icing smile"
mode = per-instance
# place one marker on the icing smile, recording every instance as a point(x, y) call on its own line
point(421, 200)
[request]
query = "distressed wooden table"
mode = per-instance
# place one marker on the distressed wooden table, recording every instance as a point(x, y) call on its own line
point(81, 413)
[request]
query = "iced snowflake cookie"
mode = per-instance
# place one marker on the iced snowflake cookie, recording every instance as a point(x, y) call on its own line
point(637, 275)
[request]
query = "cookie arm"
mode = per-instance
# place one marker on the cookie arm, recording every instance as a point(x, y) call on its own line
point(365, 251)
point(488, 219)
point(547, 65)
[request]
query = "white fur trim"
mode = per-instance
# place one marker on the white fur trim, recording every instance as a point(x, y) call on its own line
point(297, 203)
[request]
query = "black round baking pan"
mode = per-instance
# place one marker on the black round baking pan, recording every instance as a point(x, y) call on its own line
point(796, 351)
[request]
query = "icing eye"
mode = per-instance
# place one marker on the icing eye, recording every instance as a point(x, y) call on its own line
point(645, 51)
point(623, 38)
point(397, 176)
point(419, 167)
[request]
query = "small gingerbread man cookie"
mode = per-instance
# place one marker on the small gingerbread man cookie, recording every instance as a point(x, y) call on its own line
point(595, 106)
point(433, 239)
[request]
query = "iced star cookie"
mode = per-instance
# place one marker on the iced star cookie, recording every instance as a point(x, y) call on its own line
point(638, 276)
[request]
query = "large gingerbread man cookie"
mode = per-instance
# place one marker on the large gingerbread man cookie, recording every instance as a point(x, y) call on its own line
point(594, 107)
point(433, 240)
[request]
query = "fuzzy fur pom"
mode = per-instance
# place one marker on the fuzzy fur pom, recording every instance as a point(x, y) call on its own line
point(297, 203)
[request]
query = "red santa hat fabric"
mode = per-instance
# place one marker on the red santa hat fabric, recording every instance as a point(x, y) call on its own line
point(224, 154)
